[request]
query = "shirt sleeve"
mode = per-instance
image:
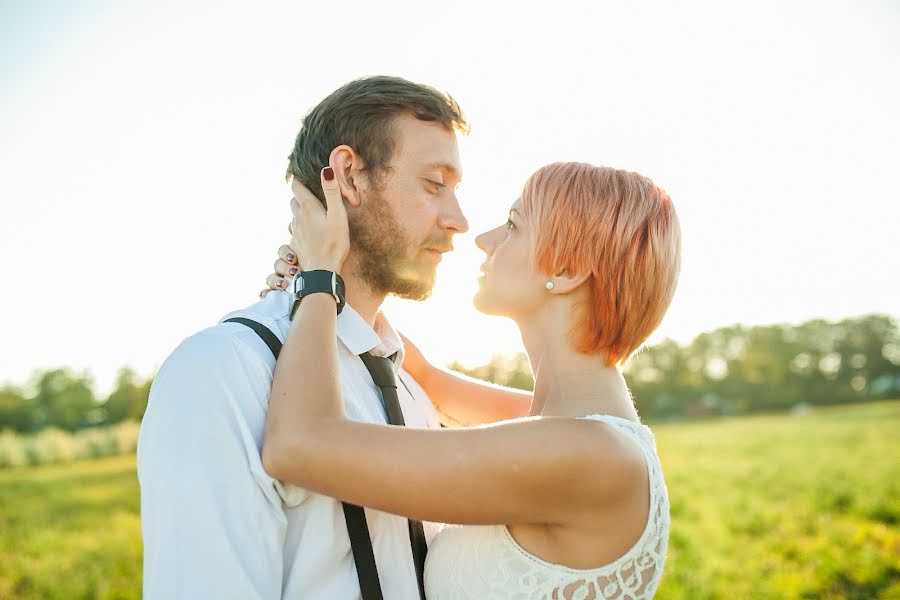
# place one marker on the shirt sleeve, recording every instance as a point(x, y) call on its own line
point(213, 521)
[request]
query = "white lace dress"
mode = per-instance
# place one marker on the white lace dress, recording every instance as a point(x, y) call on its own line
point(485, 562)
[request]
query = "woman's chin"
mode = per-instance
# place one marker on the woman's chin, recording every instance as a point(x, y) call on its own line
point(480, 302)
point(483, 304)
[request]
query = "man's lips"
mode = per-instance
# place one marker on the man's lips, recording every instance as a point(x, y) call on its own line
point(436, 253)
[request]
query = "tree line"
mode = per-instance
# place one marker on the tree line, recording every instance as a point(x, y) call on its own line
point(66, 400)
point(739, 369)
point(730, 371)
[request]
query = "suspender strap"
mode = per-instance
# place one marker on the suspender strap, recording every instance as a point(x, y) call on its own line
point(354, 516)
point(363, 555)
point(262, 331)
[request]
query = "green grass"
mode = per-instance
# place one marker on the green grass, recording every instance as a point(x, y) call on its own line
point(71, 531)
point(786, 507)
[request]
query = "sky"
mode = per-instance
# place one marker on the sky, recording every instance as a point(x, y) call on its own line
point(143, 147)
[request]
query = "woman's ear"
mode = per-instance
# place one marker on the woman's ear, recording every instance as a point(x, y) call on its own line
point(565, 282)
point(347, 165)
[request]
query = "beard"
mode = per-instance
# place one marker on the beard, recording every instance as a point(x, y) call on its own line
point(386, 254)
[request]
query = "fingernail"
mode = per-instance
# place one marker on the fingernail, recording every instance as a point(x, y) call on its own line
point(292, 271)
point(282, 284)
point(329, 173)
point(290, 257)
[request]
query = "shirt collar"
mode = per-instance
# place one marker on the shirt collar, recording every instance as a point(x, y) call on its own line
point(352, 329)
point(359, 337)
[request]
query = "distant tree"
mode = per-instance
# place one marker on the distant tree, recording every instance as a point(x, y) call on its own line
point(870, 351)
point(15, 410)
point(129, 398)
point(510, 371)
point(138, 413)
point(64, 399)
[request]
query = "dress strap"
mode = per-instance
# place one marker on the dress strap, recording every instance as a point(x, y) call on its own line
point(639, 432)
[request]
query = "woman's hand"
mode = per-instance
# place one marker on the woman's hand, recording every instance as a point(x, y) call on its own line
point(286, 267)
point(320, 238)
point(287, 264)
point(414, 362)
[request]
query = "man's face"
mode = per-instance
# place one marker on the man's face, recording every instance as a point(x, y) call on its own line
point(400, 230)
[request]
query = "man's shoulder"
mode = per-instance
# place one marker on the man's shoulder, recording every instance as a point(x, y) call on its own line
point(223, 369)
point(273, 312)
point(222, 346)
point(207, 346)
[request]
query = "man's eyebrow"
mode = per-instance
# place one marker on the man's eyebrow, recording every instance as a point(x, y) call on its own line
point(442, 166)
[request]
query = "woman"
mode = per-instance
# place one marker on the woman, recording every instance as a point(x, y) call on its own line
point(569, 502)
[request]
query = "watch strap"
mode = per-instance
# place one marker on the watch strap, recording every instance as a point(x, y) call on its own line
point(318, 282)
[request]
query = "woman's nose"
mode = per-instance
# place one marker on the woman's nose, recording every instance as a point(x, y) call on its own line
point(482, 240)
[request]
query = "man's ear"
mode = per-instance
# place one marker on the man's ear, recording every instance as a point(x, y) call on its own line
point(348, 168)
point(565, 282)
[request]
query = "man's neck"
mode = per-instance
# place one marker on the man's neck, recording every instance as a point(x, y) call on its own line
point(360, 296)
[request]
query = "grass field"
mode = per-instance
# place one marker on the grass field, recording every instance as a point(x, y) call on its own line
point(786, 507)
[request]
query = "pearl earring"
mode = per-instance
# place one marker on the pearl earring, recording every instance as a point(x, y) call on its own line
point(549, 285)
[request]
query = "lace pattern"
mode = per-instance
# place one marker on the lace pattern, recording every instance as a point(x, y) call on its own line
point(466, 562)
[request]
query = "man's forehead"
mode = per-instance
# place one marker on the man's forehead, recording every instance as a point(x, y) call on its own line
point(429, 145)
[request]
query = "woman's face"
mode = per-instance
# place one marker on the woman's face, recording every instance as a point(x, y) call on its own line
point(511, 285)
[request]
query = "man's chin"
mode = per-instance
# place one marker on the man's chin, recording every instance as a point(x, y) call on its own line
point(416, 286)
point(414, 289)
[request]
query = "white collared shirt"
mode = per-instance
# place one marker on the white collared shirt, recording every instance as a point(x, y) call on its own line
point(215, 524)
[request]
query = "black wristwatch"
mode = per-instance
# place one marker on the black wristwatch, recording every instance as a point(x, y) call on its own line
point(318, 282)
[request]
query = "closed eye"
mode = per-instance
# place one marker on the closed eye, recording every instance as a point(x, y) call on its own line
point(510, 225)
point(438, 186)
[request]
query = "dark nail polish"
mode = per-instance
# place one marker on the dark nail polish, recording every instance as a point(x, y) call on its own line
point(293, 271)
point(329, 173)
point(290, 258)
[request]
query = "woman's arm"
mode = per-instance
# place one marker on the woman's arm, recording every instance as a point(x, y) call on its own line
point(536, 470)
point(464, 400)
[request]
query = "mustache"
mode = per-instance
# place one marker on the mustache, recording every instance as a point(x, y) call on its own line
point(441, 243)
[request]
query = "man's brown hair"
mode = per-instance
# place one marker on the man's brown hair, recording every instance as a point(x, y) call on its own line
point(360, 114)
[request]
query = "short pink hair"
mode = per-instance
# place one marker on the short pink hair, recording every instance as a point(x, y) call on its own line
point(621, 230)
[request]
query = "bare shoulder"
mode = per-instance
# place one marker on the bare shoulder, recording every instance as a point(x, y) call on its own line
point(610, 479)
point(614, 467)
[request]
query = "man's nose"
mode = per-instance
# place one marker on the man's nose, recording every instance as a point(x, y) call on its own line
point(453, 217)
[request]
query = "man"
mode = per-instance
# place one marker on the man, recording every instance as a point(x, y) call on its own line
point(215, 524)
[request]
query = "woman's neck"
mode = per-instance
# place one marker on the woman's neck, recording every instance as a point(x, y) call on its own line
point(568, 383)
